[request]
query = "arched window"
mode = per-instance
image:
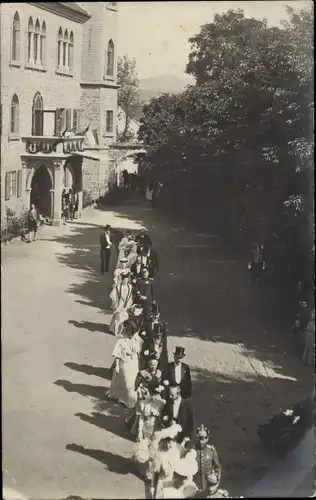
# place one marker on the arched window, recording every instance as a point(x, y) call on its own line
point(43, 44)
point(71, 51)
point(60, 47)
point(37, 41)
point(37, 115)
point(110, 59)
point(30, 31)
point(15, 55)
point(14, 127)
point(65, 50)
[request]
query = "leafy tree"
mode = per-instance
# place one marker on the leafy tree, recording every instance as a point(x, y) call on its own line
point(241, 137)
point(128, 93)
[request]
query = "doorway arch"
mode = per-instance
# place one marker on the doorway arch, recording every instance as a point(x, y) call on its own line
point(41, 185)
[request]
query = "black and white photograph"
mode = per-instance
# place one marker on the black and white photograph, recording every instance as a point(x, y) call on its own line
point(157, 250)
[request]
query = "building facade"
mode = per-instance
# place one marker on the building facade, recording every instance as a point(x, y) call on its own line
point(52, 91)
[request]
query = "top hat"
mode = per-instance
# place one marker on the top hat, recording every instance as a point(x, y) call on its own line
point(179, 352)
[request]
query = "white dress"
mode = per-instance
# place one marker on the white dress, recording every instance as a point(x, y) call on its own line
point(122, 299)
point(122, 386)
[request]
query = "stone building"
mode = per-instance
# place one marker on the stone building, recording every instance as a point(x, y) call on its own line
point(58, 80)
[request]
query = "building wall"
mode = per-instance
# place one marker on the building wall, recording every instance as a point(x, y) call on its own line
point(99, 91)
point(98, 31)
point(57, 90)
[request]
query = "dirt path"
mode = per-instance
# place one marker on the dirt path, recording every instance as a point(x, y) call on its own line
point(60, 435)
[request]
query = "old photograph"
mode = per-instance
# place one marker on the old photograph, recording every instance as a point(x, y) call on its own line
point(157, 250)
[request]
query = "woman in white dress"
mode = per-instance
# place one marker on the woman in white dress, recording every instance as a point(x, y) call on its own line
point(126, 359)
point(126, 245)
point(122, 269)
point(122, 299)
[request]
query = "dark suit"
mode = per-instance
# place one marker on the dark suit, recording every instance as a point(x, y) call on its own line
point(144, 287)
point(185, 418)
point(185, 383)
point(153, 262)
point(143, 240)
point(105, 253)
point(136, 270)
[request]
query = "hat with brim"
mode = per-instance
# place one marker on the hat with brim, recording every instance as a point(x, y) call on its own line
point(123, 259)
point(187, 466)
point(179, 352)
point(125, 275)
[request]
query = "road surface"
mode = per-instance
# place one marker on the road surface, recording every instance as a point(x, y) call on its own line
point(61, 437)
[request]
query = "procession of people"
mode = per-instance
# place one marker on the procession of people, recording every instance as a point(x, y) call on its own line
point(175, 460)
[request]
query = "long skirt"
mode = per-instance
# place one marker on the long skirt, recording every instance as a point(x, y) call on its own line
point(116, 326)
point(122, 384)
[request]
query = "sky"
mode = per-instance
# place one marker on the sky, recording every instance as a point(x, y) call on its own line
point(157, 33)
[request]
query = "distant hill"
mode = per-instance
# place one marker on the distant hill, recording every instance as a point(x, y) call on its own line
point(152, 87)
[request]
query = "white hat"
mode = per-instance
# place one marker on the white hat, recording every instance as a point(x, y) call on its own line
point(123, 259)
point(187, 466)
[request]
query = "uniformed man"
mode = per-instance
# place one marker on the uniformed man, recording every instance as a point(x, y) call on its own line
point(209, 472)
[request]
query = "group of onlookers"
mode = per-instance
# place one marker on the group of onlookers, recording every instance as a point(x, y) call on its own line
point(304, 326)
point(155, 390)
point(69, 204)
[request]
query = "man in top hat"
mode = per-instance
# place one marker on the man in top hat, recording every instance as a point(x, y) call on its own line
point(178, 373)
point(145, 293)
point(123, 268)
point(178, 411)
point(209, 471)
point(142, 239)
point(105, 249)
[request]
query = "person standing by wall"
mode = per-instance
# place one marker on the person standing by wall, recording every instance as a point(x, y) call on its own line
point(105, 249)
point(33, 219)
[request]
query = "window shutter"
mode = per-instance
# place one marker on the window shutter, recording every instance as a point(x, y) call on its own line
point(78, 119)
point(7, 186)
point(68, 119)
point(58, 121)
point(75, 120)
point(19, 187)
point(62, 120)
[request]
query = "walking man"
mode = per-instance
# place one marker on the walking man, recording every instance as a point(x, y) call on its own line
point(178, 373)
point(105, 250)
point(32, 222)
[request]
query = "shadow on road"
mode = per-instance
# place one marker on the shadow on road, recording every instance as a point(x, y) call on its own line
point(97, 371)
point(96, 392)
point(113, 422)
point(114, 463)
point(89, 325)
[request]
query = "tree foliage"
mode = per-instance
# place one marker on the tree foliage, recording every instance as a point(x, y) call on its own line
point(243, 135)
point(128, 93)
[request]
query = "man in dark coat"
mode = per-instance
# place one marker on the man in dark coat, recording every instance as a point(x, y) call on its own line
point(142, 239)
point(145, 293)
point(178, 373)
point(156, 345)
point(153, 262)
point(178, 411)
point(209, 472)
point(105, 249)
point(136, 269)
